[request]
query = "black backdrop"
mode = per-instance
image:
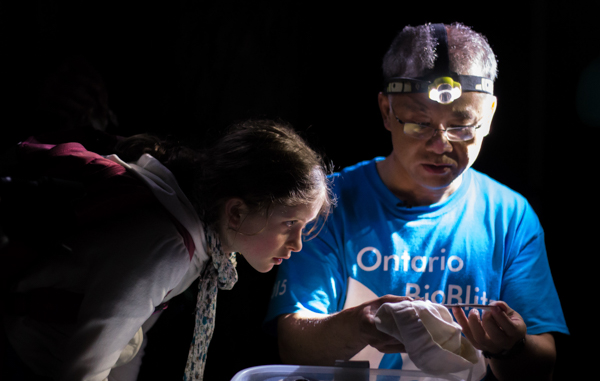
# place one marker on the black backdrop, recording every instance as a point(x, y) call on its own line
point(191, 68)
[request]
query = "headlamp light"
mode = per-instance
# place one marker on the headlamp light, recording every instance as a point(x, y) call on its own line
point(444, 90)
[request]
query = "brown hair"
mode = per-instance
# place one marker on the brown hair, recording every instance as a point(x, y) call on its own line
point(262, 162)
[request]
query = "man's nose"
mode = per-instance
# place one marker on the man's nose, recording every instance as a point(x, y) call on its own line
point(439, 142)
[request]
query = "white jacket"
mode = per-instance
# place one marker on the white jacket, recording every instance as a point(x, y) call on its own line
point(125, 269)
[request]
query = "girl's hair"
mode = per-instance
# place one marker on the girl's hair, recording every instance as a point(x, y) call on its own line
point(262, 162)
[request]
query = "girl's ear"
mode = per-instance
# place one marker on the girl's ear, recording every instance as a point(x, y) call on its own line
point(235, 210)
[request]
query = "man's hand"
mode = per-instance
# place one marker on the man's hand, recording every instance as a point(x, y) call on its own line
point(320, 339)
point(369, 332)
point(496, 332)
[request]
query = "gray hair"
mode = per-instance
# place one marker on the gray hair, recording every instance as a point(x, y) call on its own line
point(413, 52)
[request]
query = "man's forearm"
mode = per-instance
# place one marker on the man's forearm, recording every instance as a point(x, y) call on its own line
point(315, 339)
point(320, 339)
point(534, 362)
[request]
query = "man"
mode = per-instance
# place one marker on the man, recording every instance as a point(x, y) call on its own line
point(421, 223)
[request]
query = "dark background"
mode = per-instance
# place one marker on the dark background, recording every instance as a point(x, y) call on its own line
point(190, 68)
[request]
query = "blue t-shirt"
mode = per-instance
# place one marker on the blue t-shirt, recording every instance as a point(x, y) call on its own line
point(483, 243)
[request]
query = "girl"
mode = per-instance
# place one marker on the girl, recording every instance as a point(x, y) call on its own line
point(151, 220)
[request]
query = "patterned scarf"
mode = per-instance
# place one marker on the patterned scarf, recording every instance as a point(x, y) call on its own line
point(219, 273)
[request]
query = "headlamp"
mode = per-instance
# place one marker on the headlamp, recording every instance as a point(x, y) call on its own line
point(444, 90)
point(442, 85)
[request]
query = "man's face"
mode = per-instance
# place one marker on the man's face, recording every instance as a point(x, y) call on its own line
point(433, 165)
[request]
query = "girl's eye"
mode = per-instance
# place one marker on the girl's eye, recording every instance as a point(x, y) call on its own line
point(289, 224)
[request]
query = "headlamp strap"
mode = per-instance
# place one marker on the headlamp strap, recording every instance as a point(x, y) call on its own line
point(412, 85)
point(442, 63)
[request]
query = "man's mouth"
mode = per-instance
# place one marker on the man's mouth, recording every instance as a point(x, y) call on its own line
point(437, 168)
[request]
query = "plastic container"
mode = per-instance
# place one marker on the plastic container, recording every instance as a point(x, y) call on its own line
point(325, 373)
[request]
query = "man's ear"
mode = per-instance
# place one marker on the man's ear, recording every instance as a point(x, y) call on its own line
point(235, 211)
point(384, 108)
point(493, 103)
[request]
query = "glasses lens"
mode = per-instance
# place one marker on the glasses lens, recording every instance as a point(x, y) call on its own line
point(418, 131)
point(463, 133)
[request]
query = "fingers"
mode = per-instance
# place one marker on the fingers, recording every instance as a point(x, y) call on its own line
point(383, 342)
point(373, 305)
point(496, 331)
point(368, 329)
point(393, 299)
point(390, 348)
point(462, 320)
point(508, 320)
point(478, 331)
point(473, 327)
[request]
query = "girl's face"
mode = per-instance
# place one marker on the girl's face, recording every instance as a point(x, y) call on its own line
point(267, 240)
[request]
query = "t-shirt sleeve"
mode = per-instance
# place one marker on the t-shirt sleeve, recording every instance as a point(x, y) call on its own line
point(527, 284)
point(311, 280)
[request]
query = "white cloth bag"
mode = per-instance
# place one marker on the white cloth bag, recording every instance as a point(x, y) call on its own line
point(432, 339)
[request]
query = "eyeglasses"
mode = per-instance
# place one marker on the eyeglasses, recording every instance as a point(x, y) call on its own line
point(453, 134)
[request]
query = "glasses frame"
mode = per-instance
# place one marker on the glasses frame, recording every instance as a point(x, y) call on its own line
point(436, 130)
